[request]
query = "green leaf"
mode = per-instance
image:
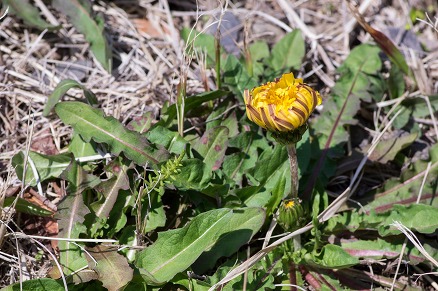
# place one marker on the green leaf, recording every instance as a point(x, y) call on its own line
point(110, 189)
point(47, 166)
point(80, 148)
point(396, 83)
point(79, 179)
point(112, 268)
point(356, 62)
point(220, 117)
point(277, 195)
point(420, 107)
point(42, 284)
point(27, 207)
point(304, 152)
point(71, 213)
point(352, 221)
point(416, 108)
point(260, 277)
point(402, 119)
point(171, 140)
point(175, 250)
point(80, 14)
point(194, 175)
point(91, 124)
point(216, 191)
point(190, 103)
point(417, 217)
point(93, 285)
point(383, 249)
point(128, 237)
point(332, 257)
point(387, 149)
point(248, 144)
point(137, 284)
point(421, 166)
point(153, 210)
point(236, 77)
point(235, 165)
point(117, 218)
point(231, 123)
point(71, 256)
point(270, 169)
point(61, 89)
point(212, 146)
point(198, 285)
point(288, 53)
point(270, 164)
point(259, 50)
point(28, 12)
point(142, 123)
point(246, 222)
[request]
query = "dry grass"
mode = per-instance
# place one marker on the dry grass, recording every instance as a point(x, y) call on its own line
point(148, 52)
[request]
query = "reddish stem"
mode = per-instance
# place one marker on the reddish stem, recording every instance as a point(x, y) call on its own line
point(292, 276)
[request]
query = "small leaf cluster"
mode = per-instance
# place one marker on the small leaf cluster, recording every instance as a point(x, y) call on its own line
point(166, 173)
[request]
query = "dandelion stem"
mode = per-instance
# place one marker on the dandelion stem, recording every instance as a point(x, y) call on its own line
point(180, 102)
point(217, 44)
point(292, 276)
point(292, 152)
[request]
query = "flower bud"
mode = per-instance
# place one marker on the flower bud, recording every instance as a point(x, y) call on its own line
point(291, 214)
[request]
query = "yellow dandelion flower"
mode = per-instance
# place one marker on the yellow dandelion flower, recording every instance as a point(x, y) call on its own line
point(283, 105)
